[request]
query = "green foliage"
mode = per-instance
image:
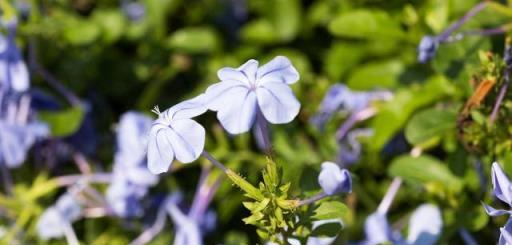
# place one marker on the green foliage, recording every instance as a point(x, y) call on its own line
point(65, 122)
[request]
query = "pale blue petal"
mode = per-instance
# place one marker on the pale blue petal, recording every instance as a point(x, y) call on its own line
point(187, 230)
point(377, 229)
point(49, 224)
point(187, 138)
point(18, 73)
point(495, 212)
point(187, 109)
point(277, 102)
point(219, 95)
point(279, 70)
point(246, 73)
point(506, 233)
point(140, 176)
point(160, 151)
point(332, 179)
point(501, 184)
point(425, 225)
point(132, 136)
point(68, 207)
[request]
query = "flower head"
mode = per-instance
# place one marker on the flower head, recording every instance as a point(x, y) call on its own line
point(174, 134)
point(13, 70)
point(421, 232)
point(135, 11)
point(16, 140)
point(502, 189)
point(427, 48)
point(53, 221)
point(332, 179)
point(248, 89)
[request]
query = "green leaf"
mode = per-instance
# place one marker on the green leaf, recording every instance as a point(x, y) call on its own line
point(195, 40)
point(112, 24)
point(330, 229)
point(428, 124)
point(81, 32)
point(394, 114)
point(247, 187)
point(376, 74)
point(437, 14)
point(424, 169)
point(63, 123)
point(365, 24)
point(330, 210)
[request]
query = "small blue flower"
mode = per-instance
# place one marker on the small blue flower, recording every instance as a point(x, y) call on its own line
point(427, 48)
point(333, 180)
point(350, 148)
point(174, 134)
point(247, 89)
point(340, 98)
point(378, 230)
point(502, 189)
point(421, 232)
point(53, 221)
point(13, 70)
point(506, 233)
point(187, 229)
point(131, 178)
point(16, 140)
point(135, 11)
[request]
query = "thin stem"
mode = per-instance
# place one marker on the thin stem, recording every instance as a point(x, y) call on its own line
point(263, 130)
point(6, 178)
point(82, 163)
point(214, 161)
point(92, 178)
point(352, 120)
point(390, 196)
point(49, 78)
point(472, 12)
point(313, 199)
point(154, 230)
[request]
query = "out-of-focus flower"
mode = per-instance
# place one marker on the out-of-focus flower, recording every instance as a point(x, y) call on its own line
point(340, 98)
point(174, 134)
point(333, 180)
point(13, 70)
point(55, 219)
point(16, 140)
point(427, 48)
point(378, 230)
point(135, 11)
point(131, 178)
point(349, 148)
point(248, 89)
point(502, 189)
point(422, 232)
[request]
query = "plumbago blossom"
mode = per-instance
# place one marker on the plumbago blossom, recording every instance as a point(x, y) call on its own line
point(13, 70)
point(18, 129)
point(246, 91)
point(175, 135)
point(190, 227)
point(378, 230)
point(131, 179)
point(502, 189)
point(340, 98)
point(56, 220)
point(334, 180)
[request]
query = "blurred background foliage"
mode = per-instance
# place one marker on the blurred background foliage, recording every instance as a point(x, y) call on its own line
point(116, 63)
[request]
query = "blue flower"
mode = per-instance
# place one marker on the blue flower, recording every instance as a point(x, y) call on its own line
point(13, 70)
point(378, 230)
point(245, 91)
point(56, 218)
point(16, 140)
point(350, 148)
point(332, 179)
point(187, 228)
point(135, 11)
point(421, 232)
point(427, 48)
point(502, 189)
point(174, 134)
point(340, 98)
point(131, 178)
